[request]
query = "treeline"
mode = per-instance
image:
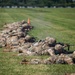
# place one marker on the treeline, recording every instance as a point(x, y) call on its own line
point(38, 3)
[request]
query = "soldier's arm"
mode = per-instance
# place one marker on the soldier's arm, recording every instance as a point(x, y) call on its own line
point(51, 52)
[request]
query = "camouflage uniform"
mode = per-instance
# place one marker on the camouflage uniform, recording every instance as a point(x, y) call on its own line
point(58, 49)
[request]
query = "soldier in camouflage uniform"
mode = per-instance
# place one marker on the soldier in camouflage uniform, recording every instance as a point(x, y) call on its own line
point(55, 59)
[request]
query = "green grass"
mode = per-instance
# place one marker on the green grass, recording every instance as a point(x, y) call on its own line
point(57, 23)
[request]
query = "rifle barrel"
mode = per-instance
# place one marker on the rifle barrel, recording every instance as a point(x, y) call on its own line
point(72, 45)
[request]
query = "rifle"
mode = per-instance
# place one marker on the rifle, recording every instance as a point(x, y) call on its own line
point(66, 45)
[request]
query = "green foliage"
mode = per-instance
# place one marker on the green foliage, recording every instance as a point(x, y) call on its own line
point(38, 3)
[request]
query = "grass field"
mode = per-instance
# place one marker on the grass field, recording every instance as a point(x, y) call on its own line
point(58, 23)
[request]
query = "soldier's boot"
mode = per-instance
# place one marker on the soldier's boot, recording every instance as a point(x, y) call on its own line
point(24, 61)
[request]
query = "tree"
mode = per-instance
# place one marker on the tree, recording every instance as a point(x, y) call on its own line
point(40, 3)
